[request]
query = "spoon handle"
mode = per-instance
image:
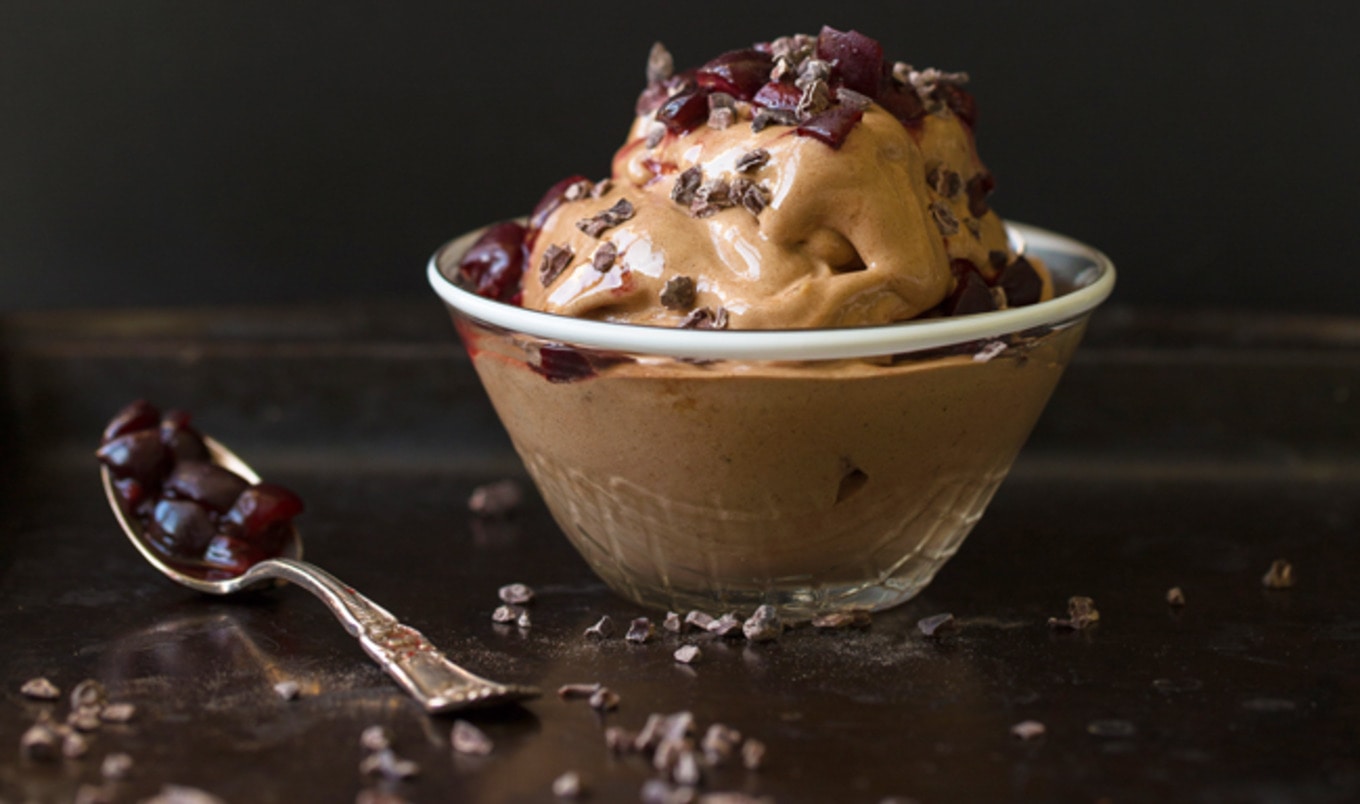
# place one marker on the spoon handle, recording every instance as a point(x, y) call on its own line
point(405, 653)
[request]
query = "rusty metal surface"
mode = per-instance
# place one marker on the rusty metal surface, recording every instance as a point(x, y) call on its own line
point(1175, 454)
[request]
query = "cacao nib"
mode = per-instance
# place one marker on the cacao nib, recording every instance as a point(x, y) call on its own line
point(1021, 283)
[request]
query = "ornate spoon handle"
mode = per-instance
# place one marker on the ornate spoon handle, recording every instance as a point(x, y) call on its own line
point(407, 656)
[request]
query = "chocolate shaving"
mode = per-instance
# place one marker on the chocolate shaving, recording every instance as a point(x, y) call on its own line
point(704, 318)
point(598, 223)
point(555, 260)
point(604, 257)
point(753, 160)
point(944, 218)
point(1279, 576)
point(686, 185)
point(678, 294)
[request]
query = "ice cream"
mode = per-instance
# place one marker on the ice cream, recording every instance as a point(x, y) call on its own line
point(802, 183)
point(805, 186)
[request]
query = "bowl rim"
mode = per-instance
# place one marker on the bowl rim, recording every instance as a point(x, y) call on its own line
point(794, 344)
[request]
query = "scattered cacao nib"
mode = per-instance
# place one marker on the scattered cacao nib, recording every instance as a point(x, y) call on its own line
point(727, 625)
point(639, 630)
point(752, 161)
point(568, 785)
point(495, 499)
point(41, 742)
point(836, 620)
point(602, 629)
point(678, 293)
point(604, 257)
point(74, 746)
point(1279, 576)
point(604, 700)
point(763, 625)
point(698, 619)
point(816, 99)
point(41, 689)
point(764, 118)
point(831, 126)
point(752, 754)
point(673, 623)
point(650, 733)
point(750, 195)
point(516, 594)
point(1081, 614)
point(470, 740)
point(944, 181)
point(660, 64)
point(569, 692)
point(506, 614)
point(597, 224)
point(686, 185)
point(1175, 597)
point(704, 318)
point(115, 766)
point(937, 624)
point(719, 743)
point(288, 690)
point(88, 693)
point(1111, 727)
point(980, 186)
point(944, 218)
point(555, 260)
point(619, 740)
point(722, 110)
point(118, 713)
point(687, 654)
point(375, 738)
point(712, 197)
point(687, 770)
point(84, 718)
point(660, 791)
point(523, 620)
point(182, 794)
point(1028, 729)
point(388, 765)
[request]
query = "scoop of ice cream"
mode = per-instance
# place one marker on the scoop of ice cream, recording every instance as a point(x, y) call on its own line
point(801, 183)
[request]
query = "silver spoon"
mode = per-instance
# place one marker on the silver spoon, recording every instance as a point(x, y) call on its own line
point(416, 664)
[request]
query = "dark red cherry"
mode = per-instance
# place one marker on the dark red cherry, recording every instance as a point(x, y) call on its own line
point(903, 103)
point(182, 527)
point(778, 95)
point(739, 73)
point(495, 263)
point(857, 59)
point(130, 491)
point(228, 556)
point(139, 455)
point(550, 201)
point(205, 483)
point(184, 442)
point(561, 363)
point(261, 507)
point(831, 126)
point(139, 415)
point(971, 295)
point(960, 101)
point(1021, 283)
point(684, 111)
point(980, 186)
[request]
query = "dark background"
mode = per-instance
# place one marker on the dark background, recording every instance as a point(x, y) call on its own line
point(171, 153)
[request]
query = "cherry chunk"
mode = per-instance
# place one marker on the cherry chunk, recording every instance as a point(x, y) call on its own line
point(205, 483)
point(138, 415)
point(495, 263)
point(137, 455)
point(857, 58)
point(739, 73)
point(260, 508)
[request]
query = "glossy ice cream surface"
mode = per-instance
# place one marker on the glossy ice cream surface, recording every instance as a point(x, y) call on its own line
point(813, 484)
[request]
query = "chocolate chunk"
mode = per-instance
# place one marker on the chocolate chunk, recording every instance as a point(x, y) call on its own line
point(753, 160)
point(678, 293)
point(41, 689)
point(602, 629)
point(937, 624)
point(1028, 729)
point(1279, 576)
point(1021, 283)
point(74, 745)
point(647, 738)
point(568, 785)
point(604, 700)
point(687, 654)
point(944, 218)
point(686, 185)
point(639, 630)
point(1081, 614)
point(764, 625)
point(704, 318)
point(468, 739)
point(516, 594)
point(556, 258)
point(722, 110)
point(597, 224)
point(1175, 597)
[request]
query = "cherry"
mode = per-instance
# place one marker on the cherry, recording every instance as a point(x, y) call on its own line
point(831, 126)
point(561, 363)
point(550, 201)
point(181, 527)
point(495, 263)
point(979, 187)
point(960, 101)
point(261, 507)
point(1021, 283)
point(684, 111)
point(205, 483)
point(139, 455)
point(778, 95)
point(739, 73)
point(183, 441)
point(857, 58)
point(903, 103)
point(130, 491)
point(136, 416)
point(231, 556)
point(971, 295)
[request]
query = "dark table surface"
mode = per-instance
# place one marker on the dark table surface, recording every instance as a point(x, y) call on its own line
point(1181, 449)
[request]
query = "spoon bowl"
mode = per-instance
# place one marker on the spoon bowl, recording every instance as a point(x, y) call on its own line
point(406, 654)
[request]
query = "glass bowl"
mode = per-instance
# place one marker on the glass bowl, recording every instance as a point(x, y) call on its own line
point(815, 470)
